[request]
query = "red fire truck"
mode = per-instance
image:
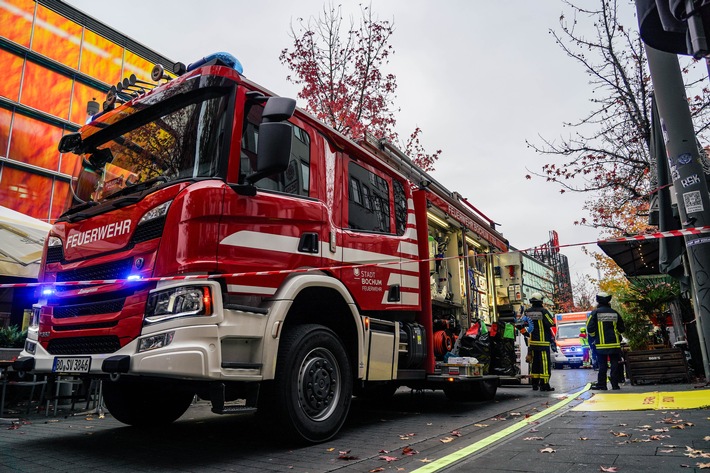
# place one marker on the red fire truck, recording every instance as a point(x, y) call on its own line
point(222, 243)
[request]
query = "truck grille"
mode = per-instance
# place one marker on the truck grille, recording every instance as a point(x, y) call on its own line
point(114, 270)
point(148, 231)
point(92, 308)
point(84, 345)
point(55, 254)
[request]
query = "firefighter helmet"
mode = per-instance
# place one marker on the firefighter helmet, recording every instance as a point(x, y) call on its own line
point(603, 298)
point(536, 297)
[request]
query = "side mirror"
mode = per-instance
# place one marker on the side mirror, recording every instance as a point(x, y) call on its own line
point(70, 143)
point(278, 109)
point(273, 151)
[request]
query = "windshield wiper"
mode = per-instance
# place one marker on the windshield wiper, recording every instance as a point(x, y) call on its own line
point(79, 208)
point(138, 187)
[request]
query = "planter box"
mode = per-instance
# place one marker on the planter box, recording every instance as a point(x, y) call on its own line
point(666, 365)
point(9, 354)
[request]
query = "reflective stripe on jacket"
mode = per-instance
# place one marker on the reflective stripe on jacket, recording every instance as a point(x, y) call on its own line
point(542, 320)
point(605, 326)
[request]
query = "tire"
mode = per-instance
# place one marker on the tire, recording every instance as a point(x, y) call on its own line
point(474, 391)
point(145, 403)
point(485, 390)
point(313, 385)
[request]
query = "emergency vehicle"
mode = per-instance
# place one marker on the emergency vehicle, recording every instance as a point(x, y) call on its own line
point(224, 244)
point(569, 346)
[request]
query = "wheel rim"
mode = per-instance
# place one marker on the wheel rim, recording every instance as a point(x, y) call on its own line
point(319, 384)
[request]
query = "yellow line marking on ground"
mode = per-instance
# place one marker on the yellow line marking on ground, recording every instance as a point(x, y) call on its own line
point(474, 447)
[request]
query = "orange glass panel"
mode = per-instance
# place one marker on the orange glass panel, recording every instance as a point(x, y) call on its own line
point(35, 142)
point(46, 90)
point(60, 199)
point(25, 192)
point(57, 37)
point(16, 20)
point(5, 119)
point(135, 64)
point(101, 58)
point(80, 98)
point(11, 65)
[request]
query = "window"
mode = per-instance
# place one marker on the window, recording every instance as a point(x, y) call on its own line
point(368, 201)
point(400, 207)
point(296, 178)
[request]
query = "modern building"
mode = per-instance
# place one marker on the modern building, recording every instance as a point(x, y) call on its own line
point(55, 60)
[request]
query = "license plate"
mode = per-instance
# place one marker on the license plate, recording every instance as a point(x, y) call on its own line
point(71, 364)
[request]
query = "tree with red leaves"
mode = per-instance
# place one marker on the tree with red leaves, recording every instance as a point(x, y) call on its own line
point(340, 70)
point(607, 153)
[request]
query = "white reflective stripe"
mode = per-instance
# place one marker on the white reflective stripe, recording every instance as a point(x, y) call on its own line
point(408, 248)
point(411, 267)
point(411, 282)
point(269, 291)
point(262, 241)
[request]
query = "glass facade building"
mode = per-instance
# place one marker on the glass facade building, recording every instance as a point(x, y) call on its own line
point(55, 60)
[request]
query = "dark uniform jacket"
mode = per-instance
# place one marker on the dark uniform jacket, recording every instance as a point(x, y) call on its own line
point(542, 321)
point(604, 326)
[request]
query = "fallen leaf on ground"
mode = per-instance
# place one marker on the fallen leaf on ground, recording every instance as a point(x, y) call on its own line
point(547, 450)
point(384, 451)
point(619, 434)
point(703, 466)
point(533, 430)
point(388, 459)
point(515, 413)
point(345, 455)
point(330, 449)
point(664, 429)
point(375, 470)
point(623, 425)
point(608, 468)
point(429, 423)
point(670, 450)
point(644, 426)
point(533, 438)
point(409, 451)
point(480, 425)
point(425, 460)
point(584, 438)
point(707, 437)
point(456, 433)
point(446, 439)
point(678, 426)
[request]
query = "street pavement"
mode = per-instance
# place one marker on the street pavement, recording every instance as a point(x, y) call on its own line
point(414, 431)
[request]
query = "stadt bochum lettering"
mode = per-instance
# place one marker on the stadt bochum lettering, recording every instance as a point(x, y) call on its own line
point(99, 233)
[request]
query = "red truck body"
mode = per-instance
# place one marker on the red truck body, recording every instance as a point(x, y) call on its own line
point(203, 259)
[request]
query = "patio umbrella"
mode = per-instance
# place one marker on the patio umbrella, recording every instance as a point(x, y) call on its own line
point(21, 243)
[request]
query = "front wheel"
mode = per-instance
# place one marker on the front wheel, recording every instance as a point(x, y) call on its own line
point(313, 384)
point(145, 403)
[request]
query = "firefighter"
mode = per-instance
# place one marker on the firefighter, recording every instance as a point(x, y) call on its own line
point(540, 342)
point(605, 326)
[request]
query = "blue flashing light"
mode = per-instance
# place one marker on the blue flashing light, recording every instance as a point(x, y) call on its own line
point(133, 277)
point(47, 291)
point(222, 57)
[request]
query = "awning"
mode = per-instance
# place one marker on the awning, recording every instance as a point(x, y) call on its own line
point(635, 258)
point(21, 243)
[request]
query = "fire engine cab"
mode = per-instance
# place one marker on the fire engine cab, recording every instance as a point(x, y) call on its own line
point(221, 242)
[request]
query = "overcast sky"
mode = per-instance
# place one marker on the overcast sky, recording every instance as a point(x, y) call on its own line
point(478, 77)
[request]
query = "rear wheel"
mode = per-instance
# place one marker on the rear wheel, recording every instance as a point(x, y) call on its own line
point(145, 403)
point(313, 385)
point(484, 390)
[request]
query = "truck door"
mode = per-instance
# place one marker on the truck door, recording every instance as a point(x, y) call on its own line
point(378, 238)
point(279, 228)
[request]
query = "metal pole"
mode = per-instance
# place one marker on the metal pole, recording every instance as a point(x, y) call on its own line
point(688, 181)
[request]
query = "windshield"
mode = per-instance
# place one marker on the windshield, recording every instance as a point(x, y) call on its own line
point(181, 137)
point(568, 330)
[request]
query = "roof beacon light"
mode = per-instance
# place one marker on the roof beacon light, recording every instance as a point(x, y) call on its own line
point(222, 58)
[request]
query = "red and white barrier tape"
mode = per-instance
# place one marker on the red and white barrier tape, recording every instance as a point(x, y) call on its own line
point(648, 236)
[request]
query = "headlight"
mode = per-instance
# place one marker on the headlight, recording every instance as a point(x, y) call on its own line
point(155, 341)
point(182, 301)
point(155, 212)
point(54, 241)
